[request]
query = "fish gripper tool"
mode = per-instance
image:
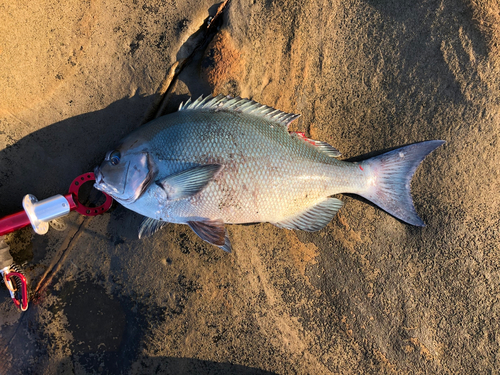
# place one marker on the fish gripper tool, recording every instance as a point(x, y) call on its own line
point(39, 214)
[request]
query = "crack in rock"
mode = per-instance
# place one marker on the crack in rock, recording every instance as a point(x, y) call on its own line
point(208, 30)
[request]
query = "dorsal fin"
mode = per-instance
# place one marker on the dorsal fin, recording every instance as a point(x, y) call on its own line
point(320, 145)
point(228, 103)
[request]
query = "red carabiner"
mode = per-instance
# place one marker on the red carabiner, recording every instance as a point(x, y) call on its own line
point(20, 297)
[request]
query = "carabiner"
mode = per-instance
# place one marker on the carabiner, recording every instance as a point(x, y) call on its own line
point(18, 287)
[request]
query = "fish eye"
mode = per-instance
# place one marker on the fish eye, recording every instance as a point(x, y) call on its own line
point(114, 157)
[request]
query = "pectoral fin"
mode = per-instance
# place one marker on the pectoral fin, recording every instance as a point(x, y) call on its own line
point(314, 218)
point(212, 232)
point(189, 182)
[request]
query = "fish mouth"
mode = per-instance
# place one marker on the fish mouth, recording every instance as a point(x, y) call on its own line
point(98, 178)
point(99, 183)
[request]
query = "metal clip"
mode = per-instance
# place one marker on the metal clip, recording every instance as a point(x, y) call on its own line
point(16, 282)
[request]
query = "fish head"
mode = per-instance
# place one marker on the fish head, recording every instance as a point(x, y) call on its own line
point(126, 172)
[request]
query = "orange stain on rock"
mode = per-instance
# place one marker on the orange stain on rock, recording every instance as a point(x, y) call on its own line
point(222, 61)
point(302, 254)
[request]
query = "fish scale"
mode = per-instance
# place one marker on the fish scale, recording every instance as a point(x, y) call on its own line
point(222, 160)
point(262, 163)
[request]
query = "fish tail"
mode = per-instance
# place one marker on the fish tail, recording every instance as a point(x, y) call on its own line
point(389, 176)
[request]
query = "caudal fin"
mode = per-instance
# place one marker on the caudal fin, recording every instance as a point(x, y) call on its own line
point(389, 179)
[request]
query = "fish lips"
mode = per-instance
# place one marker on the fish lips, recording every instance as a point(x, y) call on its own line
point(100, 184)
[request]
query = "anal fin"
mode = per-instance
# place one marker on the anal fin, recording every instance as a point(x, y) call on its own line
point(314, 218)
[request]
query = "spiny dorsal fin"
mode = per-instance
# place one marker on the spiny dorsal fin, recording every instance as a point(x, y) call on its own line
point(228, 103)
point(324, 147)
point(314, 218)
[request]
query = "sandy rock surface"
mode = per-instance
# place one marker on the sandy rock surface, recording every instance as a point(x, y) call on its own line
point(367, 294)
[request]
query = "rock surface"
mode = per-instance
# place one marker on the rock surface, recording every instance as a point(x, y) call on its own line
point(367, 294)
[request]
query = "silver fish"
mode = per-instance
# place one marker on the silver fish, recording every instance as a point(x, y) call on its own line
point(222, 160)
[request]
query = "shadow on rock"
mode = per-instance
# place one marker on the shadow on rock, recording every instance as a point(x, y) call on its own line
point(105, 328)
point(177, 366)
point(46, 161)
point(169, 365)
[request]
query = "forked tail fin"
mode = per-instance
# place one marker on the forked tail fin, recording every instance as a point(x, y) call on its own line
point(390, 174)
